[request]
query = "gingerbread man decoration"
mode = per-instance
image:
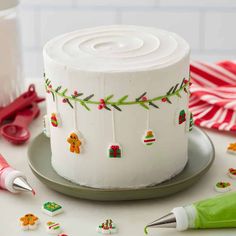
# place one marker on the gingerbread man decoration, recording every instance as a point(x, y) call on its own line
point(74, 142)
point(29, 222)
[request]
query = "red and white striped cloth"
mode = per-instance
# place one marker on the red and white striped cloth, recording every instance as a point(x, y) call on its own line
point(213, 95)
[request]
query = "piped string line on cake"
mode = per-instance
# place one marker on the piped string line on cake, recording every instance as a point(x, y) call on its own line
point(113, 125)
point(148, 120)
point(56, 102)
point(106, 102)
point(75, 117)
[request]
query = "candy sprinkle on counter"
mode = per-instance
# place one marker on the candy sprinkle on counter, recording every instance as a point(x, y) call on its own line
point(232, 173)
point(108, 227)
point(29, 222)
point(232, 148)
point(223, 187)
point(53, 228)
point(52, 208)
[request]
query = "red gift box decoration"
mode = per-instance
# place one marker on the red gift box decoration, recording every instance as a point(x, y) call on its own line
point(114, 151)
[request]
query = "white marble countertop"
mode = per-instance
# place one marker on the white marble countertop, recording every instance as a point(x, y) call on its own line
point(81, 217)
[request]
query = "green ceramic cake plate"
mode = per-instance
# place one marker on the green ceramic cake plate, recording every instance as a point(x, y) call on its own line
point(200, 153)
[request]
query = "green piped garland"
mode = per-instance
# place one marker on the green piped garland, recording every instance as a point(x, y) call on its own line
point(106, 102)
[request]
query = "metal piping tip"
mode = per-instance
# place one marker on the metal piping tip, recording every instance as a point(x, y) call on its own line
point(167, 221)
point(20, 184)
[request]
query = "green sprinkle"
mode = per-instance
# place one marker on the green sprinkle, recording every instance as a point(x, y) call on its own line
point(51, 206)
point(145, 230)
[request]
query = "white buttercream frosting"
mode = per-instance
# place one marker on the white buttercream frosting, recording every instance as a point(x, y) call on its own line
point(117, 48)
point(119, 60)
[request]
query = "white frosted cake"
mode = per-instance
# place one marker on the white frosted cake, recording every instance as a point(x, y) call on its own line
point(117, 105)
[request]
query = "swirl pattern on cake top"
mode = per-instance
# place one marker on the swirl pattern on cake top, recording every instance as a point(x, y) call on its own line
point(117, 48)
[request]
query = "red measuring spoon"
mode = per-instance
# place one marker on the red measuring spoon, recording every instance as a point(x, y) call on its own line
point(20, 103)
point(17, 131)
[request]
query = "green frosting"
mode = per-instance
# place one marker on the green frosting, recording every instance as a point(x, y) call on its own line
point(145, 230)
point(218, 212)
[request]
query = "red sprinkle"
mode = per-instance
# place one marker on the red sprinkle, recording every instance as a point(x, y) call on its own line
point(102, 101)
point(144, 98)
point(163, 99)
point(64, 100)
point(100, 106)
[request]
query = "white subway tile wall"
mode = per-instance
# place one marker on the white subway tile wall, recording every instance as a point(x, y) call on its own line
point(208, 25)
point(53, 22)
point(219, 29)
point(185, 23)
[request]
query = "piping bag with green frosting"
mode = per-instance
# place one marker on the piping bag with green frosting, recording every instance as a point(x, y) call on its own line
point(212, 213)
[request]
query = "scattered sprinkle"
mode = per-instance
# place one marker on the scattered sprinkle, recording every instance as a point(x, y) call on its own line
point(232, 148)
point(232, 173)
point(52, 208)
point(53, 228)
point(29, 222)
point(223, 187)
point(108, 227)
